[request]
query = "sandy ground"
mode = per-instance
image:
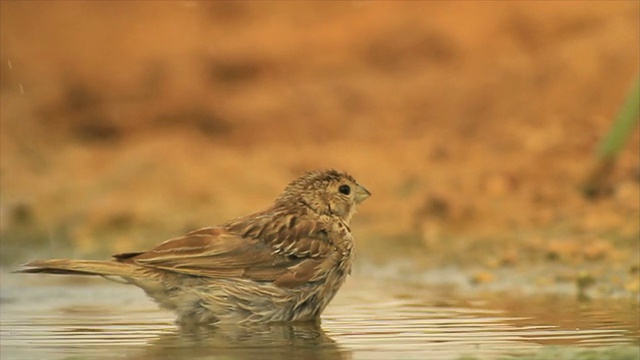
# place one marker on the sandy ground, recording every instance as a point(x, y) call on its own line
point(474, 124)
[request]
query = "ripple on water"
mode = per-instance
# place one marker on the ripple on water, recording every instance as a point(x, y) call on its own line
point(365, 322)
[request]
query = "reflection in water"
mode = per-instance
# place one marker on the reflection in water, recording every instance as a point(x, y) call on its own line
point(368, 320)
point(46, 338)
point(276, 341)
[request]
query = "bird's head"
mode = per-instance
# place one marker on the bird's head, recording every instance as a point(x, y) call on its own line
point(327, 192)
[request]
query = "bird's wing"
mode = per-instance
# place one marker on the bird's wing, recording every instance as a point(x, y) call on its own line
point(219, 253)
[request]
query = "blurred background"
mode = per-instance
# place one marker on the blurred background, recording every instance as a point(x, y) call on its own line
point(474, 124)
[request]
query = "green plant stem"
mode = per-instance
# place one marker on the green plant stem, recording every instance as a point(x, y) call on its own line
point(611, 144)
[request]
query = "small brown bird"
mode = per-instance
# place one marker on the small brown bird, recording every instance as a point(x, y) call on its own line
point(282, 264)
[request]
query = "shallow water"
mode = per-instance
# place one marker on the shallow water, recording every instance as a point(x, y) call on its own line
point(56, 317)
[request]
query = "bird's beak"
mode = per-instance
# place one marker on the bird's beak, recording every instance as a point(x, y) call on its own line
point(361, 194)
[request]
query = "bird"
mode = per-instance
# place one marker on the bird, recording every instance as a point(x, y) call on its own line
point(281, 264)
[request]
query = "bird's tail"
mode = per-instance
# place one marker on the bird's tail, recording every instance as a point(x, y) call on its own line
point(79, 267)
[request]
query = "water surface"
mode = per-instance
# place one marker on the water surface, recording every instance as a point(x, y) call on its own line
point(57, 317)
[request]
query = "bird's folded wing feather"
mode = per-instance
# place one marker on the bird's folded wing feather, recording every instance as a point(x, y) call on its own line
point(217, 253)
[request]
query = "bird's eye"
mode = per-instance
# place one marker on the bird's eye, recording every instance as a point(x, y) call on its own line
point(345, 189)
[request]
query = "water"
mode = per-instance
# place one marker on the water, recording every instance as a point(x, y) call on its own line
point(55, 317)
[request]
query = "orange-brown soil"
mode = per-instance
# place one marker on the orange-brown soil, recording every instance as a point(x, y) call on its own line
point(474, 124)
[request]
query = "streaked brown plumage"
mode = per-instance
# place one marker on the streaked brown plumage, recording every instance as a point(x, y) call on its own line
point(282, 264)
